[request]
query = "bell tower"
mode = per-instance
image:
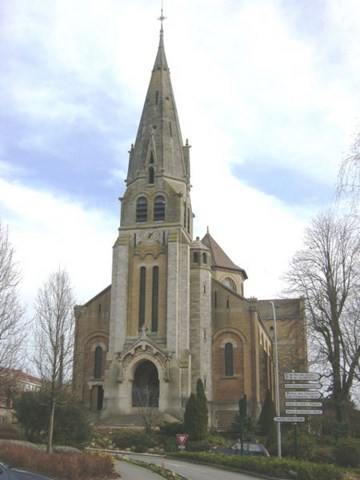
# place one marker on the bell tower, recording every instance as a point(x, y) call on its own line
point(149, 362)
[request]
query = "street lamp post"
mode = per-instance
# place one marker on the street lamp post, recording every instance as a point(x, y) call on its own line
point(277, 387)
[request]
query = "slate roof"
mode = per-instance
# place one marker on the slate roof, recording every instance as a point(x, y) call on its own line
point(219, 259)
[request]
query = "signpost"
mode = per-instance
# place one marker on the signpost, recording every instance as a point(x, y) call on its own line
point(302, 376)
point(296, 411)
point(304, 386)
point(313, 386)
point(310, 395)
point(289, 419)
point(303, 404)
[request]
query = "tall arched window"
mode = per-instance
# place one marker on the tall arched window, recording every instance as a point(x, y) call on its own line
point(229, 360)
point(155, 300)
point(151, 175)
point(159, 207)
point(98, 362)
point(142, 296)
point(141, 209)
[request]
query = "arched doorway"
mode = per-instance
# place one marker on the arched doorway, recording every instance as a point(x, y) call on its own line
point(96, 397)
point(145, 392)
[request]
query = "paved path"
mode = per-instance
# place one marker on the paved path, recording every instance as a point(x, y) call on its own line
point(133, 472)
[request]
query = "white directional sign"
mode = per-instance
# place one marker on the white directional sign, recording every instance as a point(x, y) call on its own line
point(302, 376)
point(296, 411)
point(310, 395)
point(289, 419)
point(303, 385)
point(303, 404)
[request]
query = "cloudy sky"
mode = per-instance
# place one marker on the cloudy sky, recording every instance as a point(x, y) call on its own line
point(267, 93)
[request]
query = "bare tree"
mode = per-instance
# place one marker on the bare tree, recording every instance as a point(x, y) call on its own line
point(326, 271)
point(348, 182)
point(54, 328)
point(12, 331)
point(146, 399)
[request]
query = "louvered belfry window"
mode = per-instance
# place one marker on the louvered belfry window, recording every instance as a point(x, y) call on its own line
point(141, 209)
point(159, 207)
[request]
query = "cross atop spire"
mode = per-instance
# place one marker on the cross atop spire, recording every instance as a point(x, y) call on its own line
point(162, 18)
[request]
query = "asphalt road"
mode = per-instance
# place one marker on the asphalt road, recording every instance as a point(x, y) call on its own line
point(191, 471)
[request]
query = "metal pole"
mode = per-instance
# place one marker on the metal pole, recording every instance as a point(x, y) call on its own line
point(277, 387)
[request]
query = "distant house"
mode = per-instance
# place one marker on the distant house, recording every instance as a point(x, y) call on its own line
point(12, 383)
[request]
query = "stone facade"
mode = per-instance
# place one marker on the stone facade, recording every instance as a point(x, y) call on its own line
point(175, 311)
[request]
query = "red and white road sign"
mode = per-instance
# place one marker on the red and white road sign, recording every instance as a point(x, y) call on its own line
point(181, 438)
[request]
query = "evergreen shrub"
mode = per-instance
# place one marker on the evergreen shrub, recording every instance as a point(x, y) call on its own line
point(133, 439)
point(170, 429)
point(270, 467)
point(198, 446)
point(347, 454)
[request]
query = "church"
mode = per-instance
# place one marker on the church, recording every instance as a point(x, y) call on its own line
point(176, 309)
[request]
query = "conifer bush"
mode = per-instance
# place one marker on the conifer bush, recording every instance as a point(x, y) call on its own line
point(203, 410)
point(266, 422)
point(196, 416)
point(191, 418)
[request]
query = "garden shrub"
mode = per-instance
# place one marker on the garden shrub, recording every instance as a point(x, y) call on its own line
point(9, 431)
point(305, 446)
point(266, 424)
point(134, 439)
point(198, 445)
point(322, 454)
point(71, 421)
point(203, 410)
point(347, 454)
point(271, 467)
point(170, 444)
point(67, 466)
point(170, 429)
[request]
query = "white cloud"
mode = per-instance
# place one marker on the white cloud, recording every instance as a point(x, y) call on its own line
point(48, 231)
point(253, 80)
point(257, 231)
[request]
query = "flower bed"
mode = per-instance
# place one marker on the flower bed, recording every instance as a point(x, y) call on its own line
point(67, 466)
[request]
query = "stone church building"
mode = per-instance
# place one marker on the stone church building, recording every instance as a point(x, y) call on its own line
point(176, 309)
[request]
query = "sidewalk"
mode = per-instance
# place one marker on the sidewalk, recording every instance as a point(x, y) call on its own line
point(133, 472)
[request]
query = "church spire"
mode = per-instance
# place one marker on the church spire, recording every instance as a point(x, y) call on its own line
point(159, 139)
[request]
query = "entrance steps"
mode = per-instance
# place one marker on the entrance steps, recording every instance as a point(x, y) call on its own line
point(121, 421)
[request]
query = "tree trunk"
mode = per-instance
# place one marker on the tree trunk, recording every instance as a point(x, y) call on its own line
point(51, 426)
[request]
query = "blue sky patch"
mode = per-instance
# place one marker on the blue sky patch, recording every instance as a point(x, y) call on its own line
point(289, 186)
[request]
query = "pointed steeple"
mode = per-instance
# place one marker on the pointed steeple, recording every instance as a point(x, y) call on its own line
point(159, 141)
